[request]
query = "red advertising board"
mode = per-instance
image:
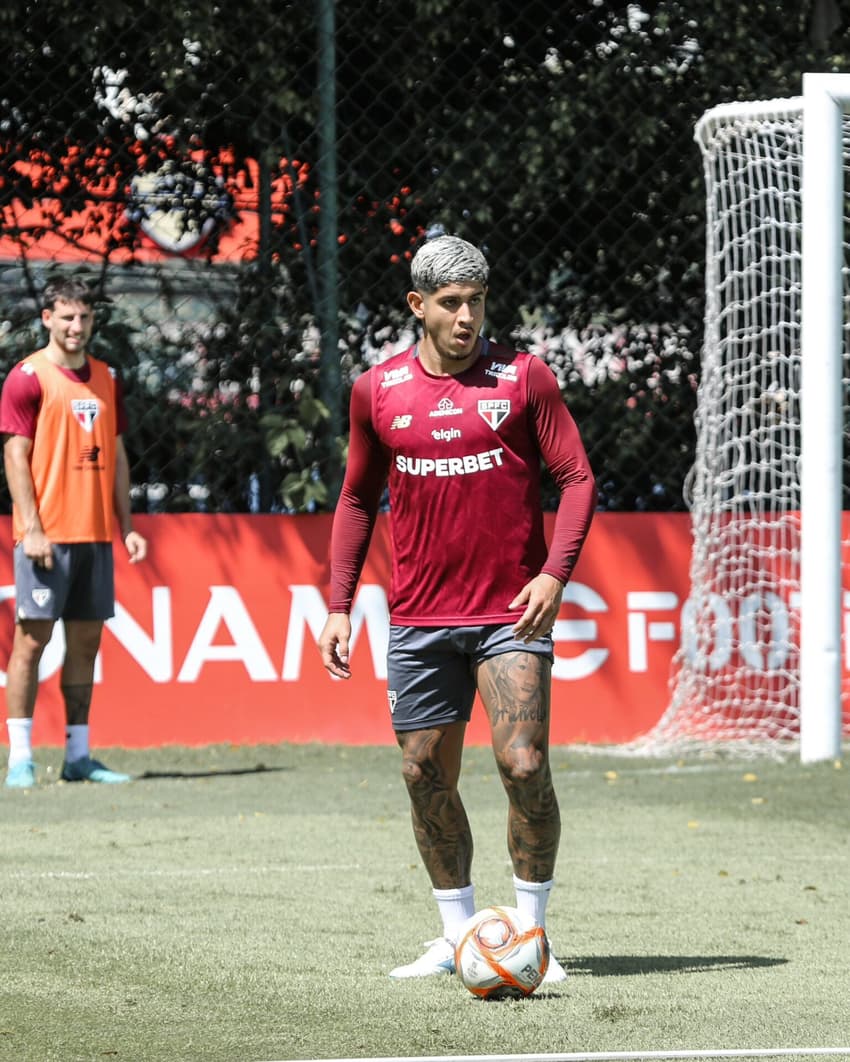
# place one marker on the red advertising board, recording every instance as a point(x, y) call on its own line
point(214, 637)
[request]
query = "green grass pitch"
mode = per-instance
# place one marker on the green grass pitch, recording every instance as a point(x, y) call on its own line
point(246, 903)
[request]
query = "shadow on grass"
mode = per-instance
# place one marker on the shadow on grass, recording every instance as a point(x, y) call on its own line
point(215, 773)
point(630, 965)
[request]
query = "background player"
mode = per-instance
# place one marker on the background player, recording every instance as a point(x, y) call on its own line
point(459, 426)
point(62, 417)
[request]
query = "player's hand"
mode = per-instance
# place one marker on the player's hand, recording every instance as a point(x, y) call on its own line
point(38, 547)
point(541, 600)
point(137, 546)
point(334, 642)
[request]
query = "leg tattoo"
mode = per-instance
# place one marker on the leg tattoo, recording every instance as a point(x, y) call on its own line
point(515, 689)
point(440, 825)
point(77, 703)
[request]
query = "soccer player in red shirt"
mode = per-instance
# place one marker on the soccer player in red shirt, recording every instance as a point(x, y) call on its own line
point(62, 415)
point(458, 427)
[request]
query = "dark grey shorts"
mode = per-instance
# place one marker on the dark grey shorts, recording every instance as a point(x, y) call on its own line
point(79, 586)
point(431, 670)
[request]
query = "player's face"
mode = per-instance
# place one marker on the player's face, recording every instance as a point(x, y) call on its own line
point(452, 318)
point(69, 325)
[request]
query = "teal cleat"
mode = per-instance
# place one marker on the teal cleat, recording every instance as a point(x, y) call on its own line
point(86, 769)
point(21, 776)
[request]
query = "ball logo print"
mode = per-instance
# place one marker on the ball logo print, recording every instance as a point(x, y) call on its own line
point(501, 954)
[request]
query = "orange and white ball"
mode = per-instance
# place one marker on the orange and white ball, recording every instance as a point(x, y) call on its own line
point(501, 954)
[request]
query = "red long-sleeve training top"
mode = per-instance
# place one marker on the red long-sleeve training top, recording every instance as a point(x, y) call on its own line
point(462, 455)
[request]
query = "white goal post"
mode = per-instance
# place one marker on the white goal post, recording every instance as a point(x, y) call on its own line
point(825, 159)
point(760, 666)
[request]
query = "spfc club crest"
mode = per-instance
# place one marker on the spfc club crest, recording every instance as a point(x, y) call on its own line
point(180, 206)
point(85, 411)
point(494, 410)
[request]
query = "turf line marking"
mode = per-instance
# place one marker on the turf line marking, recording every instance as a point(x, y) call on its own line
point(85, 875)
point(614, 1056)
point(672, 770)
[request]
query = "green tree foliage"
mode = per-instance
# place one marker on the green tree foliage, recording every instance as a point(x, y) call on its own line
point(559, 137)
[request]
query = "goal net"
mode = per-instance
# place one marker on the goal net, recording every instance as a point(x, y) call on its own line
point(736, 678)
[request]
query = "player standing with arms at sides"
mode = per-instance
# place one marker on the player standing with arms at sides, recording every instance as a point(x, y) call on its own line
point(62, 416)
point(459, 426)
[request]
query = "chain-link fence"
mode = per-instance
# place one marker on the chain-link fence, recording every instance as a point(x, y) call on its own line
point(245, 188)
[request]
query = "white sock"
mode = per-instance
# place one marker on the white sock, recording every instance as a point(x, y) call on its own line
point(20, 741)
point(532, 898)
point(455, 906)
point(76, 742)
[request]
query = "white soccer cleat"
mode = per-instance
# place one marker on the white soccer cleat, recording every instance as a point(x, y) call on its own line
point(438, 959)
point(554, 972)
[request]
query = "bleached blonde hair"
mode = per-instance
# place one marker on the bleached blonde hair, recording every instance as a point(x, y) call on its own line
point(447, 260)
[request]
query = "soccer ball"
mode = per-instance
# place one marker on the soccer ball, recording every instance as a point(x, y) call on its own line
point(501, 954)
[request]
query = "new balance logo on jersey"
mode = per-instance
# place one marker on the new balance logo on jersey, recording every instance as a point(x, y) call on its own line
point(85, 411)
point(90, 459)
point(494, 410)
point(403, 420)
